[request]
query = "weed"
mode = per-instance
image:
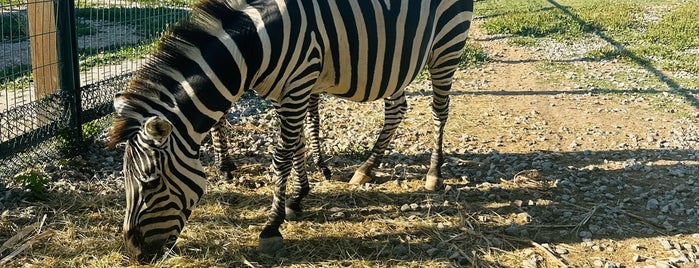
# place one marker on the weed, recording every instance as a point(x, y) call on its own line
point(472, 55)
point(13, 72)
point(34, 182)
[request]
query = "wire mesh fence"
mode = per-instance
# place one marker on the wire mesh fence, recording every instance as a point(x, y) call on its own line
point(55, 54)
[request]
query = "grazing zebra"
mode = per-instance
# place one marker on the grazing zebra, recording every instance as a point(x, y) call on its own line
point(287, 51)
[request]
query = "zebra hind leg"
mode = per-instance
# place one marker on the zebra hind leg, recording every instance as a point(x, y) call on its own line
point(219, 137)
point(300, 186)
point(313, 134)
point(394, 112)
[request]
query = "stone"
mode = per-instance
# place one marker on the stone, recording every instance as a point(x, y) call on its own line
point(585, 234)
point(432, 252)
point(513, 230)
point(400, 250)
point(666, 244)
point(652, 204)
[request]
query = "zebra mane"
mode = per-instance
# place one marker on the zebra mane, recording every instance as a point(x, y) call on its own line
point(146, 83)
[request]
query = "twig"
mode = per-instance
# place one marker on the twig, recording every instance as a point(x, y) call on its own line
point(547, 226)
point(22, 234)
point(463, 254)
point(587, 218)
point(550, 254)
point(24, 246)
point(643, 219)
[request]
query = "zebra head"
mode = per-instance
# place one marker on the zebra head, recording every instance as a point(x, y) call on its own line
point(163, 181)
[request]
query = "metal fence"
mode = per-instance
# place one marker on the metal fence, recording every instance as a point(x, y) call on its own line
point(61, 61)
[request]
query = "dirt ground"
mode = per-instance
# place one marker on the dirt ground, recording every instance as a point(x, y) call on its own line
point(553, 160)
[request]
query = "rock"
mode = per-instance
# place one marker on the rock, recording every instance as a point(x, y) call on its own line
point(432, 252)
point(598, 263)
point(400, 250)
point(666, 244)
point(652, 204)
point(664, 264)
point(561, 251)
point(637, 258)
point(585, 234)
point(513, 230)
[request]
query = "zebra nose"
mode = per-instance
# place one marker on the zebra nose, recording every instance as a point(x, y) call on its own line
point(135, 246)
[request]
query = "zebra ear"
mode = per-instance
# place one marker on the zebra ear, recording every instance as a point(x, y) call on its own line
point(157, 129)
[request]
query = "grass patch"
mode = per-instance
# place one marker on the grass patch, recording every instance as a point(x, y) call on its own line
point(149, 21)
point(13, 72)
point(661, 32)
point(472, 55)
point(12, 2)
point(88, 59)
point(542, 19)
point(177, 3)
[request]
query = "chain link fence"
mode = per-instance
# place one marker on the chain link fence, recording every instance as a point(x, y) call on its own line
point(61, 62)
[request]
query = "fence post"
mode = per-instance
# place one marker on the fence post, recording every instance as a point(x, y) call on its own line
point(68, 70)
point(42, 39)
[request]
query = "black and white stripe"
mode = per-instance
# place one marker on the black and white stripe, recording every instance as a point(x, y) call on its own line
point(287, 51)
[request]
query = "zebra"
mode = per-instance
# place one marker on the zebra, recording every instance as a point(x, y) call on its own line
point(288, 51)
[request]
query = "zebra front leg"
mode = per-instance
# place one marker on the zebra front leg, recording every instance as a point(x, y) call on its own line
point(394, 112)
point(291, 114)
point(313, 131)
point(222, 159)
point(441, 84)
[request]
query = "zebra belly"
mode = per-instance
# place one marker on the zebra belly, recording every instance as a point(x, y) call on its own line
point(373, 50)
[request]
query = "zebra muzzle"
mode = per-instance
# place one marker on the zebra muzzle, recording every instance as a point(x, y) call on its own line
point(139, 250)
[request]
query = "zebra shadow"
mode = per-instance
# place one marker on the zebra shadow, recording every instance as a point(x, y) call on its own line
point(495, 201)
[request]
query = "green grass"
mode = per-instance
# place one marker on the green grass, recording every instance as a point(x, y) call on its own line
point(149, 21)
point(661, 33)
point(472, 55)
point(178, 3)
point(13, 72)
point(89, 59)
point(12, 2)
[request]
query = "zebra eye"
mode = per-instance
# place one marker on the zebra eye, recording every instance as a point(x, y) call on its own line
point(150, 184)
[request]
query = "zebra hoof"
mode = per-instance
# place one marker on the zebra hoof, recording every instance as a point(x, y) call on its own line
point(359, 178)
point(293, 214)
point(433, 182)
point(227, 165)
point(272, 246)
point(326, 173)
